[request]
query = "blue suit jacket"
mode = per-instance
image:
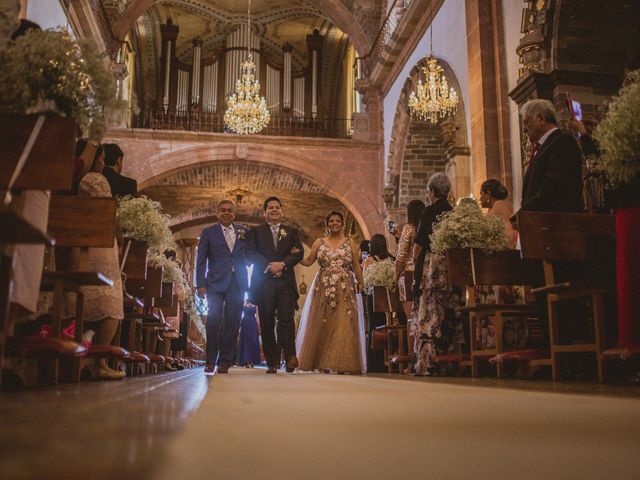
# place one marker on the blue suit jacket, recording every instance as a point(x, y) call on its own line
point(216, 265)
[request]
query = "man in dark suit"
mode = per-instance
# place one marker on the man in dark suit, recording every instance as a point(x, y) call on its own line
point(274, 249)
point(120, 185)
point(553, 180)
point(221, 276)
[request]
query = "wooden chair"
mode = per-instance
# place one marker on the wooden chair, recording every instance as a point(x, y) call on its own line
point(471, 267)
point(569, 237)
point(388, 302)
point(77, 222)
point(45, 168)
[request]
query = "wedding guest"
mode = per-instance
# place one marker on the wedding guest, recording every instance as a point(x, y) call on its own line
point(249, 340)
point(493, 196)
point(120, 185)
point(379, 271)
point(331, 333)
point(553, 180)
point(404, 258)
point(102, 305)
point(431, 283)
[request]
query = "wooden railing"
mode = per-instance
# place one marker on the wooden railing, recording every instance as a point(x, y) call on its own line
point(288, 125)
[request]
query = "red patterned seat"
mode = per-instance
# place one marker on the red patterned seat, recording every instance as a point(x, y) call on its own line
point(452, 358)
point(137, 357)
point(44, 347)
point(622, 353)
point(108, 351)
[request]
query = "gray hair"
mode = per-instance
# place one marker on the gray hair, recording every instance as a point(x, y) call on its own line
point(542, 107)
point(439, 184)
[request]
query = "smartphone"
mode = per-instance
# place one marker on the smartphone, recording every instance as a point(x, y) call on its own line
point(392, 226)
point(575, 108)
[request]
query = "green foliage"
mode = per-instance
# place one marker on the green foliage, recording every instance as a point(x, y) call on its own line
point(48, 71)
point(619, 136)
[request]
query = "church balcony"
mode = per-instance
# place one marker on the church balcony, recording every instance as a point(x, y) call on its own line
point(279, 125)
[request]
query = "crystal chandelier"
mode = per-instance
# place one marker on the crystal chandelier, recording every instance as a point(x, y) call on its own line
point(433, 99)
point(247, 111)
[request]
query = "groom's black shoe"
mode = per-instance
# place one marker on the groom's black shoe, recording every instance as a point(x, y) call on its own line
point(272, 370)
point(292, 363)
point(223, 369)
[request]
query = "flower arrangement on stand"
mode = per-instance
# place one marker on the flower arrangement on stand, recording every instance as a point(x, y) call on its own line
point(619, 138)
point(466, 226)
point(380, 274)
point(140, 218)
point(47, 71)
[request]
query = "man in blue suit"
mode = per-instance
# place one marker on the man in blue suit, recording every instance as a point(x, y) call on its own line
point(221, 275)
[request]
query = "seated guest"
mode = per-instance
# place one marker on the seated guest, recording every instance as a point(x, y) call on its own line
point(492, 197)
point(553, 180)
point(120, 185)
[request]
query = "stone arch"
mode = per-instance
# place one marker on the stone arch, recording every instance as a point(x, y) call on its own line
point(347, 189)
point(335, 10)
point(419, 148)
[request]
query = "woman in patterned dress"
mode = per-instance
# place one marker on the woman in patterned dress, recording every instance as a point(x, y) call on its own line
point(331, 333)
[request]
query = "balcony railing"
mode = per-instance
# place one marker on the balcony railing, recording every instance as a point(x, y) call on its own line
point(364, 65)
point(286, 125)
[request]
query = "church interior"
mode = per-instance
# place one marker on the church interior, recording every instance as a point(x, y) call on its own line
point(456, 188)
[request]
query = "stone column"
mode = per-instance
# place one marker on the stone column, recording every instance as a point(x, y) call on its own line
point(490, 143)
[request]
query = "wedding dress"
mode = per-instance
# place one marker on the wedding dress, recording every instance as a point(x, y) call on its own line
point(331, 331)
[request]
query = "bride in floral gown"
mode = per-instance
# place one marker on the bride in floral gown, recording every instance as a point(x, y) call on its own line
point(331, 332)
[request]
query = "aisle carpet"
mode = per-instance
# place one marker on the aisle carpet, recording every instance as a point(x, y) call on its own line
point(311, 426)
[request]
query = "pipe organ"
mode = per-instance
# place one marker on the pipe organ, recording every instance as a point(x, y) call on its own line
point(204, 85)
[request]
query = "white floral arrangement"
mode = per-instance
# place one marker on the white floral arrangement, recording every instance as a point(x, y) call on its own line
point(171, 271)
point(619, 136)
point(47, 71)
point(282, 234)
point(380, 274)
point(140, 218)
point(466, 226)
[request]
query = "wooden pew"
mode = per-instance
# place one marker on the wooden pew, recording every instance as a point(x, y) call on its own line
point(388, 302)
point(470, 267)
point(77, 222)
point(48, 166)
point(569, 238)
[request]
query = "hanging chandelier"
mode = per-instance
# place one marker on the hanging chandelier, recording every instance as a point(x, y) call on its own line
point(433, 100)
point(247, 111)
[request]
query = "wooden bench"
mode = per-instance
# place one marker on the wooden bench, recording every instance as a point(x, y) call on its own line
point(569, 238)
point(48, 166)
point(472, 267)
point(396, 354)
point(77, 222)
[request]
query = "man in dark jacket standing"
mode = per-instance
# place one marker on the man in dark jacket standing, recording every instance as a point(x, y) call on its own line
point(553, 180)
point(120, 185)
point(274, 249)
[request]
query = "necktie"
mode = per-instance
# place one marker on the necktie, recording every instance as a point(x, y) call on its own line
point(274, 234)
point(534, 152)
point(228, 236)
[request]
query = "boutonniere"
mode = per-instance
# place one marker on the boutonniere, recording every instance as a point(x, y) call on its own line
point(282, 234)
point(240, 234)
